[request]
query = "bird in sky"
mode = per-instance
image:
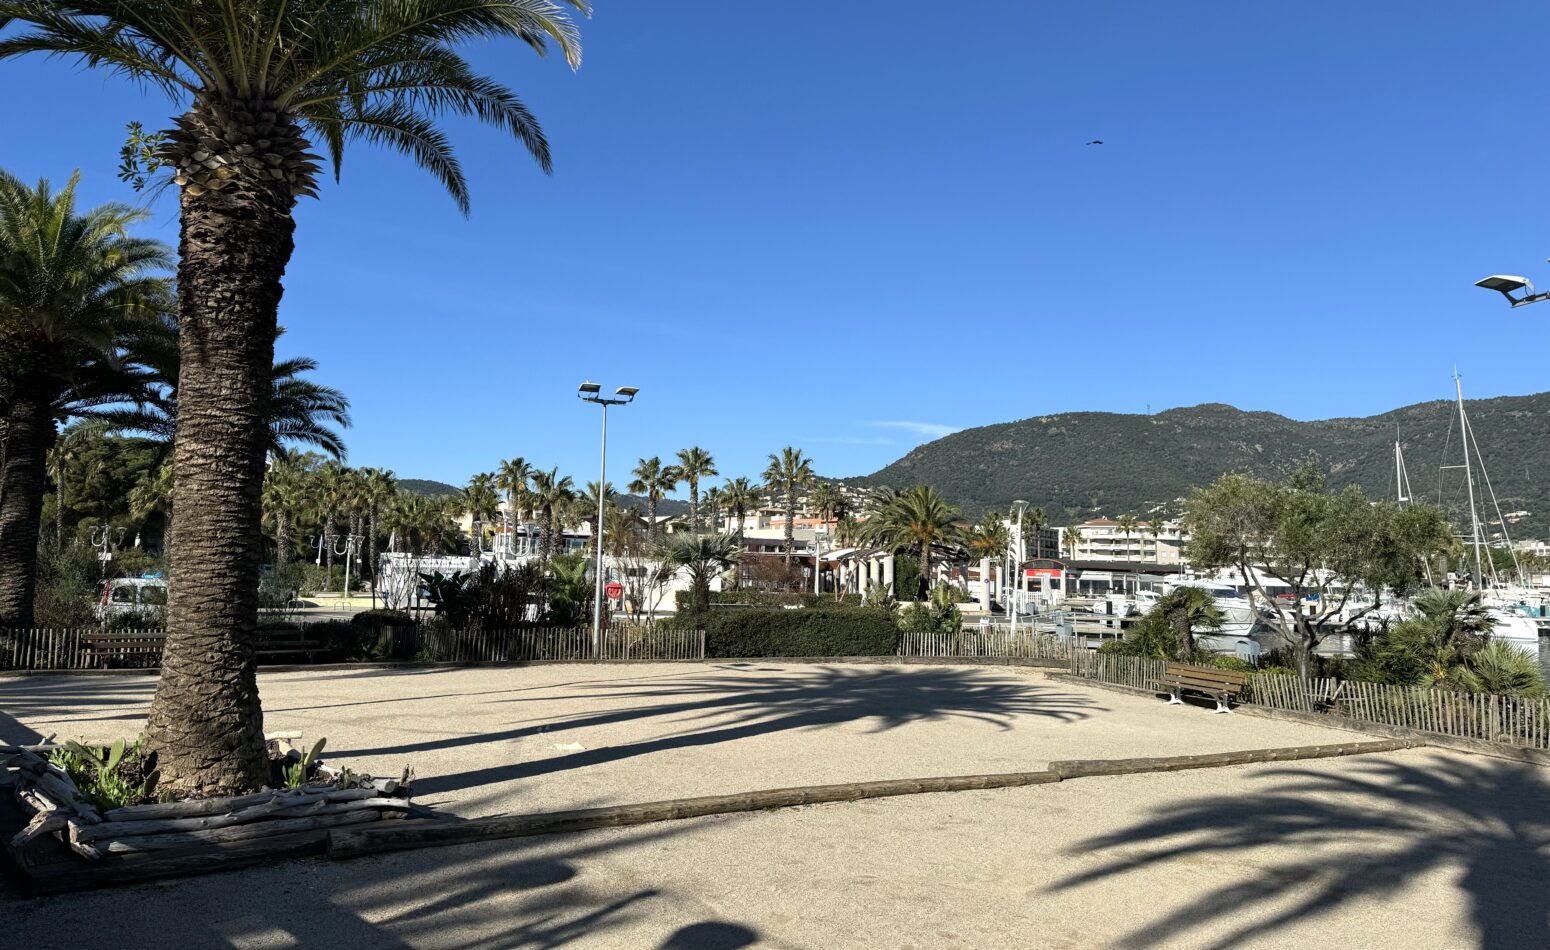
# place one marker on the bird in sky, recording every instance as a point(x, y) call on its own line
point(1096, 142)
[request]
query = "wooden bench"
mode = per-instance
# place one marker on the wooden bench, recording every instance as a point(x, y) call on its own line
point(135, 648)
point(1220, 685)
point(286, 643)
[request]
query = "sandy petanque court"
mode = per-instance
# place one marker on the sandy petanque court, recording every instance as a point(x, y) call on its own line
point(1416, 848)
point(492, 740)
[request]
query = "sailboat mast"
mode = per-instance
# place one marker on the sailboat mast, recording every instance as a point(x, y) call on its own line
point(1469, 481)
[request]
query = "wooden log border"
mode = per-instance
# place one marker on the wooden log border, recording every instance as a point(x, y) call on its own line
point(353, 842)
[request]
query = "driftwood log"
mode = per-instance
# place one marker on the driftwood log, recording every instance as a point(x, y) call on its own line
point(200, 826)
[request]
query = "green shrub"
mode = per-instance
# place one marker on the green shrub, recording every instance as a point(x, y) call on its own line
point(907, 582)
point(1224, 662)
point(341, 640)
point(806, 632)
point(386, 633)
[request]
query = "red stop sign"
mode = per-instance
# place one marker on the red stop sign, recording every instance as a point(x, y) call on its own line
point(614, 591)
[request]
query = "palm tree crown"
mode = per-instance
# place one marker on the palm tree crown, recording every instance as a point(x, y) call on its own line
point(694, 464)
point(788, 472)
point(917, 518)
point(654, 480)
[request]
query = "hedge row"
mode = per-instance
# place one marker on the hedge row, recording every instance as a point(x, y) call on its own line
point(769, 598)
point(813, 631)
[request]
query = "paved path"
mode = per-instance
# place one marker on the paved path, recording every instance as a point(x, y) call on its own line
point(1412, 850)
point(495, 740)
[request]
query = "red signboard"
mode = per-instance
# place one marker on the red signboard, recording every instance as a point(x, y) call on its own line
point(614, 591)
point(1042, 572)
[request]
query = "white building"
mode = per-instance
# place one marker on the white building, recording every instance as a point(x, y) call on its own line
point(1149, 542)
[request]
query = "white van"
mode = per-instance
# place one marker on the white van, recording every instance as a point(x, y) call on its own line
point(133, 595)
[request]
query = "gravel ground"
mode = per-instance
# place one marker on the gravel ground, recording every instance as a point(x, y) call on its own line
point(1412, 850)
point(500, 740)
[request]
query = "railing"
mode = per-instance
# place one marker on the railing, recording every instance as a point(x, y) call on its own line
point(1515, 720)
point(972, 642)
point(93, 648)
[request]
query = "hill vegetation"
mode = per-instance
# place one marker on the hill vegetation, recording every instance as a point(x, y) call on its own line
point(1084, 464)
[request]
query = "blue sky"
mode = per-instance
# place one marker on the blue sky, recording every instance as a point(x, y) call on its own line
point(854, 230)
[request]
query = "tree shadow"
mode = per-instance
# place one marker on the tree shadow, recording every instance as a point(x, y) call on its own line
point(44, 701)
point(714, 708)
point(1366, 830)
point(528, 893)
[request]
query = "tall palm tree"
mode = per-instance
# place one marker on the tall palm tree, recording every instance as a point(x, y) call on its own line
point(378, 487)
point(551, 492)
point(588, 503)
point(1126, 525)
point(480, 502)
point(331, 494)
point(1037, 519)
point(626, 530)
point(257, 79)
point(286, 492)
point(1154, 528)
point(654, 480)
point(511, 477)
point(917, 518)
point(788, 472)
point(713, 505)
point(740, 497)
point(694, 463)
point(71, 285)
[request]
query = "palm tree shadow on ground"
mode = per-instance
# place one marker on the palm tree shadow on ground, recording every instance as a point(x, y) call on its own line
point(722, 707)
point(1364, 831)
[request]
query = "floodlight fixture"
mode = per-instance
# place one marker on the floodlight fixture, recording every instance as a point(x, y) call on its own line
point(1508, 284)
point(628, 392)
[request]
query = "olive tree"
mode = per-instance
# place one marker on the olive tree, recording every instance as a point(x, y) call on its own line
point(1324, 545)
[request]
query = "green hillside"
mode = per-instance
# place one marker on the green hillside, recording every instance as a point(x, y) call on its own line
point(1082, 464)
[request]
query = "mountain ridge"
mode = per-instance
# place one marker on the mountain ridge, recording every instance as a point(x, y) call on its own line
point(1082, 464)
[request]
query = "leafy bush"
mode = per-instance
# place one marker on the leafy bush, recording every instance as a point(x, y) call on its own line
point(386, 633)
point(1224, 662)
point(808, 632)
point(147, 619)
point(930, 618)
point(69, 586)
point(341, 640)
point(907, 582)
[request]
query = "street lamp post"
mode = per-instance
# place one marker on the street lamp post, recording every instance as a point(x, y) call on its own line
point(592, 392)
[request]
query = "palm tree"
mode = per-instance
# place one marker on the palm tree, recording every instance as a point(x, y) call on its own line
point(258, 77)
point(740, 496)
point(704, 556)
point(694, 464)
point(827, 501)
point(714, 502)
point(990, 538)
point(654, 480)
point(331, 491)
point(1126, 525)
point(71, 285)
point(511, 477)
point(788, 472)
point(590, 501)
point(378, 486)
point(480, 502)
point(551, 492)
point(1037, 519)
point(1185, 610)
point(286, 492)
point(1072, 538)
point(917, 518)
point(626, 528)
point(1154, 528)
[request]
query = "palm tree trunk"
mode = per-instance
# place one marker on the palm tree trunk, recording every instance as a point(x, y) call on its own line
point(282, 542)
point(329, 527)
point(694, 504)
point(925, 566)
point(651, 515)
point(791, 518)
point(371, 549)
point(59, 506)
point(23, 482)
point(206, 724)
